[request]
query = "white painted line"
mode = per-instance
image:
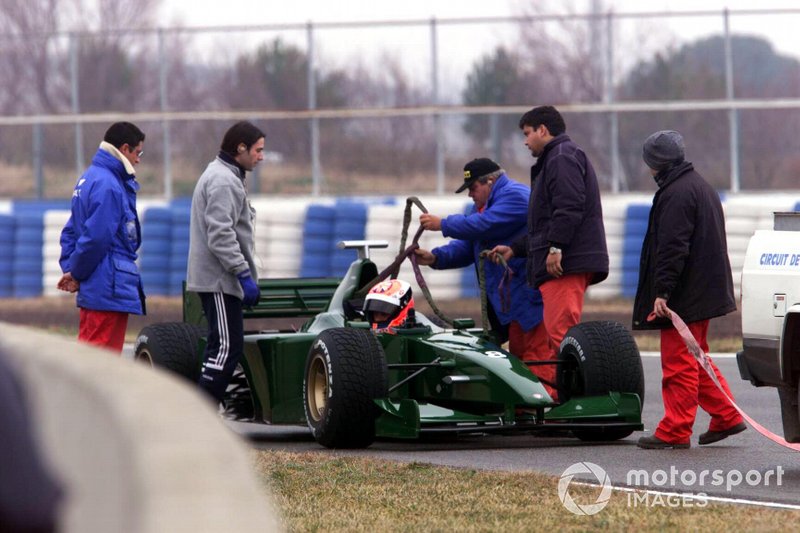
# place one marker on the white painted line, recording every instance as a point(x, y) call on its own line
point(721, 355)
point(700, 497)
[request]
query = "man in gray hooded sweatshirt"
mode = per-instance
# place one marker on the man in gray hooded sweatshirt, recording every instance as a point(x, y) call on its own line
point(221, 266)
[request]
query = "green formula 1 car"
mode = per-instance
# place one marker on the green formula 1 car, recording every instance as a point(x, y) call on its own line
point(350, 385)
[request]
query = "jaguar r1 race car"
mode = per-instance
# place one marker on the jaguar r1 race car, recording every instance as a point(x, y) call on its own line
point(351, 385)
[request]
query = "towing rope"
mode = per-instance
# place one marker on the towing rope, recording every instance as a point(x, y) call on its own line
point(704, 361)
point(408, 252)
point(504, 287)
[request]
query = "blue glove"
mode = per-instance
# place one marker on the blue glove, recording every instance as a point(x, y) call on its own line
point(251, 292)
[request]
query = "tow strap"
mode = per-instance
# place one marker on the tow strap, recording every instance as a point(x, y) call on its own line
point(705, 361)
point(393, 269)
point(408, 252)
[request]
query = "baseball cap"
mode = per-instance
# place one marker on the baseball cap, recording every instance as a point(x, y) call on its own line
point(477, 168)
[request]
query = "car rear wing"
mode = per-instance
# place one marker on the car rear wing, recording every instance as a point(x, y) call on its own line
point(280, 298)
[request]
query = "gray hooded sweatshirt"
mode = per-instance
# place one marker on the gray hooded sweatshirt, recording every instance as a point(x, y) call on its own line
point(221, 231)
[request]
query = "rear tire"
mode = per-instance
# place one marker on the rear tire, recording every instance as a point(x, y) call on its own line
point(602, 357)
point(170, 345)
point(345, 371)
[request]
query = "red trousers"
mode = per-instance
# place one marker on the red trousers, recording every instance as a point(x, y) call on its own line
point(562, 299)
point(685, 385)
point(533, 345)
point(105, 329)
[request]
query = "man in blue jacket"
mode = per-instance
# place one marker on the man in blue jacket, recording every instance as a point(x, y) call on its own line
point(100, 240)
point(498, 216)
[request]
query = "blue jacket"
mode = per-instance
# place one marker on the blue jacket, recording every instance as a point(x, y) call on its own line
point(99, 242)
point(502, 221)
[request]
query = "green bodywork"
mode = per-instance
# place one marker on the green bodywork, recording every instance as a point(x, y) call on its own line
point(461, 380)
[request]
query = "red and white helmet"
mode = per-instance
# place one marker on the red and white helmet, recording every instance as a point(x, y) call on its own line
point(392, 298)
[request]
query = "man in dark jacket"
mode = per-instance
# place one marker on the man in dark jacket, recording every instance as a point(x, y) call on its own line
point(566, 241)
point(498, 216)
point(101, 237)
point(684, 267)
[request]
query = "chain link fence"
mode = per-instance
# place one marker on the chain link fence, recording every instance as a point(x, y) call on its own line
point(397, 107)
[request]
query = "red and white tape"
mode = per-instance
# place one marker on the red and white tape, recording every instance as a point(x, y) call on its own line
point(705, 361)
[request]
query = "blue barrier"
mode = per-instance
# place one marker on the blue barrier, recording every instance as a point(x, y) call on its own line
point(24, 206)
point(318, 230)
point(179, 248)
point(154, 253)
point(7, 230)
point(637, 216)
point(27, 273)
point(350, 223)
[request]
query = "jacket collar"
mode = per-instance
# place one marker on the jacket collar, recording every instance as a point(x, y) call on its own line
point(499, 183)
point(114, 151)
point(666, 177)
point(230, 162)
point(555, 141)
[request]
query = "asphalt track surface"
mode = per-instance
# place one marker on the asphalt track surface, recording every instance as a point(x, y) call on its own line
point(746, 467)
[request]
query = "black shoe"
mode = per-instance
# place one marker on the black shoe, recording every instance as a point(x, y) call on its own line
point(713, 436)
point(654, 443)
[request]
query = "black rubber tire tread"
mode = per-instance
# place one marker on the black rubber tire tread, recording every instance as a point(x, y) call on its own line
point(610, 363)
point(358, 375)
point(173, 346)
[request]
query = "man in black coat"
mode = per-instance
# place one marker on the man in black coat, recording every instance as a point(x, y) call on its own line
point(565, 244)
point(684, 268)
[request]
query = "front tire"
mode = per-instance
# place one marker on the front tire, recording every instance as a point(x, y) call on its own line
point(345, 371)
point(600, 357)
point(170, 345)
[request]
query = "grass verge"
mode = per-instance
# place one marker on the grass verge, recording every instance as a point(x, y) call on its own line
point(321, 492)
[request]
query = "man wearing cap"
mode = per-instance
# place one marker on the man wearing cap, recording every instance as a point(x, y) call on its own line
point(684, 267)
point(566, 241)
point(498, 216)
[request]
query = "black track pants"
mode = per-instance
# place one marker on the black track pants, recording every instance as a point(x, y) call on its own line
point(225, 341)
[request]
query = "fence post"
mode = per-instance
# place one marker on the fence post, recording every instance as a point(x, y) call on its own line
point(162, 87)
point(616, 167)
point(316, 176)
point(733, 114)
point(76, 108)
point(38, 172)
point(437, 117)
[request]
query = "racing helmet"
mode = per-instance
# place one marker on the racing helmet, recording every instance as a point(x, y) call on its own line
point(393, 298)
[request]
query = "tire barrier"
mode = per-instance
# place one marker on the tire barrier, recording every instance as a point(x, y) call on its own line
point(179, 249)
point(636, 217)
point(27, 272)
point(349, 224)
point(318, 235)
point(279, 236)
point(154, 260)
point(8, 226)
point(295, 237)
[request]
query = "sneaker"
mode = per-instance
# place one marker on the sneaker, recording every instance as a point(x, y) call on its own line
point(713, 436)
point(654, 443)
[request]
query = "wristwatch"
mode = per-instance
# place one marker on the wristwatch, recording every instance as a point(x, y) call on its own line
point(554, 250)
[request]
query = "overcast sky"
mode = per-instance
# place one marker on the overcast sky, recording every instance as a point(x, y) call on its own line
point(460, 46)
point(266, 11)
